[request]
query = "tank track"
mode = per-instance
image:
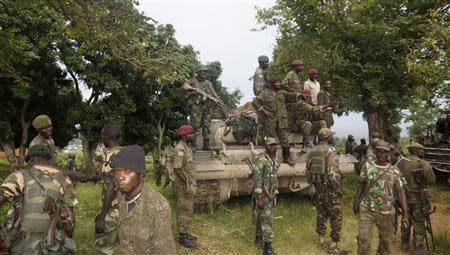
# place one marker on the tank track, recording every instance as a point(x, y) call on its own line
point(207, 197)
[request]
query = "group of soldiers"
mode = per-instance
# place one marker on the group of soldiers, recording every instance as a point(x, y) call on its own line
point(135, 219)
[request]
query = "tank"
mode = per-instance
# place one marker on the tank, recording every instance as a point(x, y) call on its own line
point(223, 173)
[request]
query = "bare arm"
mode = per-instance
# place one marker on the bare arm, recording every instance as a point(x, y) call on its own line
point(402, 200)
point(359, 191)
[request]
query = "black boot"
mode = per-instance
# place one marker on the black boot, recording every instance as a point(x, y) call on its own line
point(419, 250)
point(305, 141)
point(184, 240)
point(206, 144)
point(404, 246)
point(258, 240)
point(268, 249)
point(287, 156)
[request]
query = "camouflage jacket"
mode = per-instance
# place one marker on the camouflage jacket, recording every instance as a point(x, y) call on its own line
point(183, 158)
point(205, 86)
point(301, 110)
point(322, 160)
point(260, 81)
point(407, 166)
point(380, 197)
point(265, 175)
point(324, 98)
point(291, 82)
point(39, 139)
point(275, 102)
point(146, 228)
point(107, 176)
point(350, 146)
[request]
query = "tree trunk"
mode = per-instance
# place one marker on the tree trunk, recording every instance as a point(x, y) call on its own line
point(89, 148)
point(25, 124)
point(8, 148)
point(161, 126)
point(378, 121)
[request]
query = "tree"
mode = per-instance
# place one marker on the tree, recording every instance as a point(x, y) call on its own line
point(379, 54)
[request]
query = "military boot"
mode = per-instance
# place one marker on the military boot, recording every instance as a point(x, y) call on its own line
point(206, 144)
point(184, 240)
point(258, 240)
point(404, 246)
point(287, 156)
point(333, 248)
point(268, 249)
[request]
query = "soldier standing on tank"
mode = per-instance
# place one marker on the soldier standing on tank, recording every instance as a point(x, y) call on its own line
point(322, 170)
point(28, 222)
point(378, 185)
point(202, 108)
point(144, 215)
point(272, 103)
point(261, 83)
point(185, 185)
point(44, 127)
point(350, 144)
point(312, 85)
point(415, 165)
point(323, 98)
point(265, 188)
point(291, 82)
point(107, 219)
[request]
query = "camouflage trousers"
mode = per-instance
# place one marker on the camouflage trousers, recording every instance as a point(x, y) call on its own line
point(260, 126)
point(104, 242)
point(307, 127)
point(200, 119)
point(185, 205)
point(329, 209)
point(276, 132)
point(417, 218)
point(385, 225)
point(264, 220)
point(36, 244)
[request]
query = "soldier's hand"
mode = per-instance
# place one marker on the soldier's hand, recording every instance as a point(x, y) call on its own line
point(99, 224)
point(260, 201)
point(355, 208)
point(405, 221)
point(268, 113)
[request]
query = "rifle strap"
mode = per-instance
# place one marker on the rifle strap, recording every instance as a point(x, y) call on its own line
point(371, 184)
point(44, 190)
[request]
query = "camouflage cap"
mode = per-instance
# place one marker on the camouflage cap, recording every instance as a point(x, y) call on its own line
point(41, 121)
point(130, 157)
point(202, 68)
point(38, 150)
point(263, 58)
point(383, 145)
point(416, 145)
point(324, 133)
point(271, 140)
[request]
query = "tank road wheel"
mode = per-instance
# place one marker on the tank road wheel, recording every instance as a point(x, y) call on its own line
point(207, 197)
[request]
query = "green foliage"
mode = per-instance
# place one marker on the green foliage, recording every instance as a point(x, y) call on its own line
point(423, 117)
point(380, 54)
point(230, 99)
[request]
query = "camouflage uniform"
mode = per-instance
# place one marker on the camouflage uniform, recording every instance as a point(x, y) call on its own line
point(48, 142)
point(265, 179)
point(377, 207)
point(260, 83)
point(350, 146)
point(291, 82)
point(183, 158)
point(202, 110)
point(299, 118)
point(34, 222)
point(323, 171)
point(275, 102)
point(146, 228)
point(324, 98)
point(104, 242)
point(415, 210)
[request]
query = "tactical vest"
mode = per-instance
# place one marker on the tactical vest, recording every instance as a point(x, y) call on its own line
point(34, 219)
point(317, 163)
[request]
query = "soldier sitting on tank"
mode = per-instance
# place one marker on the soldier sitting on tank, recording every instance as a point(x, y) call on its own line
point(299, 117)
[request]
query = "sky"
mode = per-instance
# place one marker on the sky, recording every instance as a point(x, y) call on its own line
point(221, 30)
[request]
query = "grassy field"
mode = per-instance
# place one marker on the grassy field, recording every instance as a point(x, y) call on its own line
point(229, 230)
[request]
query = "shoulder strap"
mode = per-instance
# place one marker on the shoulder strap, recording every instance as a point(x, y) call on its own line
point(44, 189)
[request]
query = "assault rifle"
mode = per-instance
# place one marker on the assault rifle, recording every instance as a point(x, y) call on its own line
point(425, 204)
point(264, 188)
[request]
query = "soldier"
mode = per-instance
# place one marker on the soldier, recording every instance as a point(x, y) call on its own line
point(323, 98)
point(350, 144)
point(299, 120)
point(265, 184)
point(106, 221)
point(261, 83)
point(312, 85)
point(41, 220)
point(260, 80)
point(415, 165)
point(322, 170)
point(374, 201)
point(71, 164)
point(43, 126)
point(361, 149)
point(272, 102)
point(291, 82)
point(185, 185)
point(376, 137)
point(202, 108)
point(144, 214)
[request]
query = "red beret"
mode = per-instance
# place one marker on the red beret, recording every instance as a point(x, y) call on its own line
point(297, 62)
point(185, 130)
point(274, 80)
point(312, 71)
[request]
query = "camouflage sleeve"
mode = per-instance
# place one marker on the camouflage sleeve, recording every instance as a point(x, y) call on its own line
point(13, 185)
point(321, 99)
point(285, 83)
point(363, 175)
point(291, 97)
point(332, 164)
point(257, 103)
point(163, 242)
point(429, 174)
point(178, 157)
point(258, 82)
point(257, 175)
point(69, 193)
point(399, 176)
